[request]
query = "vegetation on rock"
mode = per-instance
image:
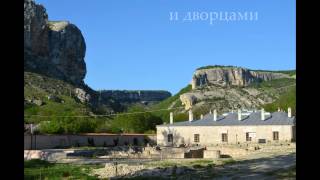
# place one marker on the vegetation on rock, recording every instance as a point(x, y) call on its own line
point(215, 66)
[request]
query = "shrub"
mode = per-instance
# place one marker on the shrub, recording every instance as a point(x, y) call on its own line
point(135, 123)
point(91, 142)
point(286, 100)
point(115, 142)
point(67, 125)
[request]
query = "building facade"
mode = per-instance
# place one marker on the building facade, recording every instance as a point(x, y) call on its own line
point(229, 128)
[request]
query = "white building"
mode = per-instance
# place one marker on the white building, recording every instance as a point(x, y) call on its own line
point(233, 127)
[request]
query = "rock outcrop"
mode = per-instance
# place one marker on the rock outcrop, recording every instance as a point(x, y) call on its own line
point(54, 64)
point(52, 48)
point(235, 76)
point(188, 100)
point(82, 95)
point(228, 87)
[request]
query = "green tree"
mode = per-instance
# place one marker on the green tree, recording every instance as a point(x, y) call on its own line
point(286, 100)
point(72, 125)
point(136, 122)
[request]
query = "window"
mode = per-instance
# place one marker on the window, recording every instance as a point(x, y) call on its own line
point(170, 137)
point(224, 137)
point(248, 138)
point(262, 140)
point(196, 138)
point(275, 135)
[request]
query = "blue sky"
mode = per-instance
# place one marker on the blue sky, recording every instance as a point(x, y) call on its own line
point(132, 44)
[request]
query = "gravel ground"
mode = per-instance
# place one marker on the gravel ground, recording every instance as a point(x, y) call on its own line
point(257, 165)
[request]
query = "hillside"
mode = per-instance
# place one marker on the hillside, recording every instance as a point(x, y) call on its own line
point(173, 103)
point(49, 96)
point(228, 87)
point(287, 99)
point(54, 66)
point(54, 89)
point(55, 94)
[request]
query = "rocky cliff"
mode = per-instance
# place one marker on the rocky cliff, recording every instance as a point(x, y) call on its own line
point(52, 48)
point(225, 88)
point(131, 96)
point(234, 76)
point(54, 66)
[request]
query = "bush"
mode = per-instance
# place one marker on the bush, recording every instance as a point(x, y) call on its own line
point(91, 142)
point(135, 123)
point(115, 142)
point(68, 125)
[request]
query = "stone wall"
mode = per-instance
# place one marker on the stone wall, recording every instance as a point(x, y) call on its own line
point(211, 154)
point(211, 135)
point(65, 141)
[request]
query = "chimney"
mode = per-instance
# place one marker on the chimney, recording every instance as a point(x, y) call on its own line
point(171, 117)
point(239, 114)
point(190, 115)
point(262, 114)
point(289, 112)
point(201, 116)
point(214, 115)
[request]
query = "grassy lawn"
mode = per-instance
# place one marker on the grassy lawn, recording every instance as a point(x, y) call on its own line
point(38, 169)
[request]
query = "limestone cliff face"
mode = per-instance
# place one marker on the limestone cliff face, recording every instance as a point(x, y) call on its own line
point(55, 49)
point(235, 76)
point(228, 87)
point(144, 96)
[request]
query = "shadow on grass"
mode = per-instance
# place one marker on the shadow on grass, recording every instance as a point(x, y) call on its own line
point(37, 163)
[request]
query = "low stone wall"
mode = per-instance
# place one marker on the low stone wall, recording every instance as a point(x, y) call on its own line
point(49, 155)
point(99, 140)
point(211, 154)
point(245, 149)
point(230, 151)
point(32, 154)
point(111, 170)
